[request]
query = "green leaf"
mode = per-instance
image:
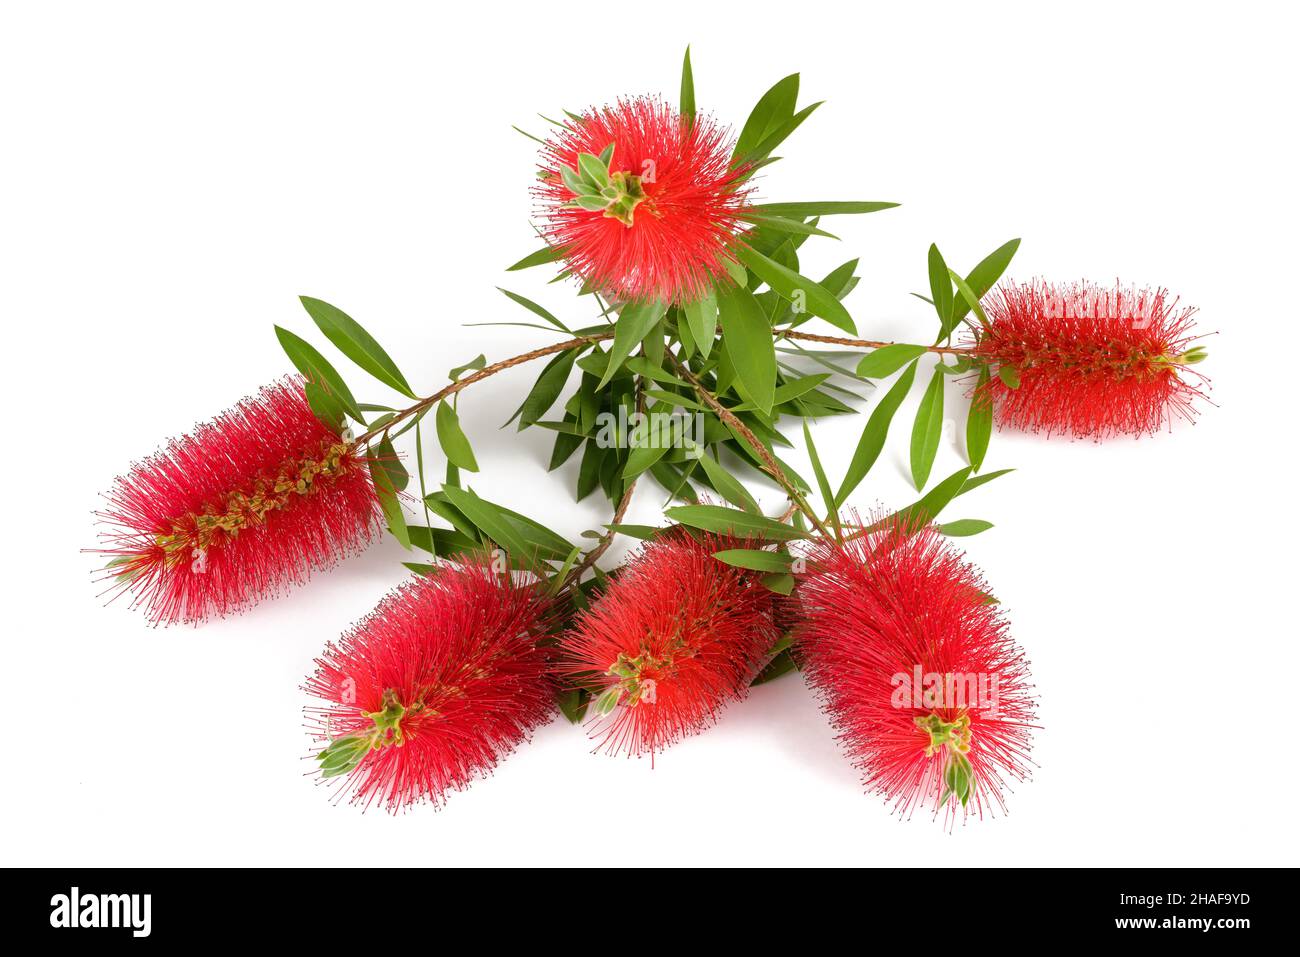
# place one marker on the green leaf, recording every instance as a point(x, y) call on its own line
point(794, 287)
point(545, 390)
point(823, 485)
point(573, 704)
point(635, 531)
point(477, 363)
point(687, 100)
point(759, 156)
point(928, 506)
point(968, 296)
point(819, 209)
point(940, 289)
point(781, 224)
point(983, 277)
point(727, 485)
point(452, 438)
point(978, 480)
point(355, 343)
point(536, 310)
point(979, 421)
point(389, 503)
point(492, 521)
point(755, 559)
point(547, 254)
point(779, 582)
point(386, 456)
point(1010, 376)
point(608, 700)
point(718, 518)
point(317, 369)
point(747, 340)
point(888, 359)
point(634, 323)
point(325, 406)
point(702, 317)
point(926, 431)
point(874, 434)
point(964, 526)
point(782, 664)
point(593, 170)
point(773, 110)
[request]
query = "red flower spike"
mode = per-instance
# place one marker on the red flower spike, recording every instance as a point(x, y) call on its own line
point(1087, 361)
point(675, 637)
point(243, 508)
point(656, 217)
point(441, 681)
point(916, 670)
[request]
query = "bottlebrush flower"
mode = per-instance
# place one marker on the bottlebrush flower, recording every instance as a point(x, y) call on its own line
point(644, 205)
point(245, 506)
point(1090, 362)
point(442, 680)
point(916, 670)
point(676, 636)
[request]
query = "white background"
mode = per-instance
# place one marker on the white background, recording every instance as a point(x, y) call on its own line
point(175, 176)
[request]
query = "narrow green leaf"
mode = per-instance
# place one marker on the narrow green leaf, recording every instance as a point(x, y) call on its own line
point(550, 383)
point(783, 224)
point(389, 503)
point(803, 293)
point(926, 431)
point(983, 277)
point(718, 518)
point(452, 438)
point(756, 559)
point(773, 109)
point(702, 317)
point(686, 103)
point(495, 525)
point(475, 364)
point(978, 480)
point(819, 209)
point(325, 405)
point(536, 310)
point(940, 289)
point(761, 153)
point(823, 485)
point(927, 508)
point(634, 323)
point(979, 421)
point(964, 526)
point(747, 340)
point(887, 360)
point(355, 343)
point(1010, 376)
point(547, 254)
point(317, 369)
point(727, 485)
point(874, 434)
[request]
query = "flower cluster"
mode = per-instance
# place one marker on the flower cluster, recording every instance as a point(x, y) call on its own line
point(1088, 361)
point(914, 664)
point(443, 679)
point(645, 205)
point(244, 507)
point(675, 637)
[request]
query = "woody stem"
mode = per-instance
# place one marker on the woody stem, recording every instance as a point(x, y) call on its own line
point(768, 461)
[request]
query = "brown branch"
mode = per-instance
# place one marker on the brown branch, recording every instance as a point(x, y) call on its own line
point(768, 461)
point(479, 376)
point(861, 343)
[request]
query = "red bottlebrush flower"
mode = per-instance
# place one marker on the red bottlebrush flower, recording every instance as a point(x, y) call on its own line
point(1091, 362)
point(676, 636)
point(655, 217)
point(916, 670)
point(245, 506)
point(442, 680)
